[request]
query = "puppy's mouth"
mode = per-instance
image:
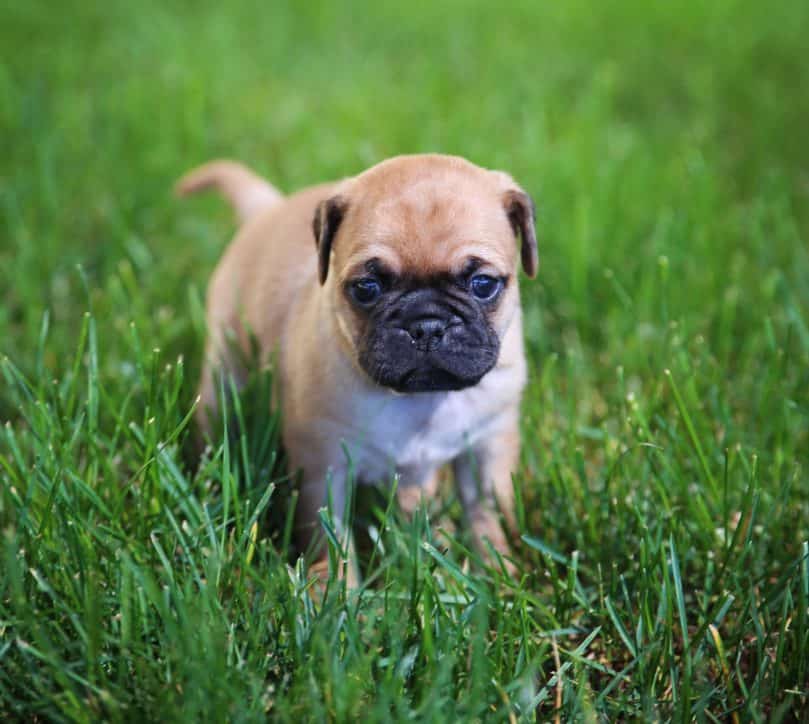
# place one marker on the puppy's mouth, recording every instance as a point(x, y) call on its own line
point(431, 380)
point(459, 361)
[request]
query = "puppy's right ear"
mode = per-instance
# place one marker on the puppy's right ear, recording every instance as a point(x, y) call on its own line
point(328, 216)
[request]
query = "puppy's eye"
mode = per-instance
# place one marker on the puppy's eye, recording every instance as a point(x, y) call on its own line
point(485, 287)
point(366, 291)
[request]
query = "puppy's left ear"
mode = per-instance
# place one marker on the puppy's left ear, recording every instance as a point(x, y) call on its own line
point(522, 217)
point(328, 216)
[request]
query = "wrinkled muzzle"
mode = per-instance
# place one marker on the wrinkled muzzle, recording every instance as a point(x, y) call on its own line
point(428, 340)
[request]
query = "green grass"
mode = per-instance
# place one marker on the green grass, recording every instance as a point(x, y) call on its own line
point(664, 485)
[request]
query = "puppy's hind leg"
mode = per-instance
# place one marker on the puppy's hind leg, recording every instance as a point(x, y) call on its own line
point(224, 372)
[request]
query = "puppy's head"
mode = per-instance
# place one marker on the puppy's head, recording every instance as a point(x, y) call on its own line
point(419, 257)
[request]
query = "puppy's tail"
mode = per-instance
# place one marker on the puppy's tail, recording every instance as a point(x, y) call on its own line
point(246, 191)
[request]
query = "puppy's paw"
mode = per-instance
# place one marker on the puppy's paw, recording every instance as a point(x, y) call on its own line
point(487, 529)
point(347, 572)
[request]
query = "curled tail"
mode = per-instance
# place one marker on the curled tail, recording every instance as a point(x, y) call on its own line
point(246, 191)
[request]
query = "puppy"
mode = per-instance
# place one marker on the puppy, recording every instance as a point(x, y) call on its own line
point(391, 301)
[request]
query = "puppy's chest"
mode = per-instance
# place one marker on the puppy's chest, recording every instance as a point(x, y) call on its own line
point(414, 435)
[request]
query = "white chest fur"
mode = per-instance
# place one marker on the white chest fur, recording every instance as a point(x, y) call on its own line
point(415, 434)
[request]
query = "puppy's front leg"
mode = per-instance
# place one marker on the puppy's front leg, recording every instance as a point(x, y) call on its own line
point(413, 489)
point(483, 479)
point(316, 492)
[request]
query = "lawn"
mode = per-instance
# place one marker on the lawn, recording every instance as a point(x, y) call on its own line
point(664, 483)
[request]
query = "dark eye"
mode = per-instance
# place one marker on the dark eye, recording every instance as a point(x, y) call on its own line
point(366, 291)
point(485, 287)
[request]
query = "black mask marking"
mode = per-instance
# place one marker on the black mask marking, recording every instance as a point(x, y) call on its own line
point(427, 337)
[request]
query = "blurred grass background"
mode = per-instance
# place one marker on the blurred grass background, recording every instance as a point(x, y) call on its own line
point(666, 147)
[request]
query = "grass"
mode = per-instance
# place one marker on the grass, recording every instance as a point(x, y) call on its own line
point(664, 486)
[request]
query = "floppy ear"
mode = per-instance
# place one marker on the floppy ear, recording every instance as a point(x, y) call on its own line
point(328, 215)
point(522, 217)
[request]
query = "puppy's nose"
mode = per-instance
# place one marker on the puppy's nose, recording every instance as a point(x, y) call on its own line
point(427, 332)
